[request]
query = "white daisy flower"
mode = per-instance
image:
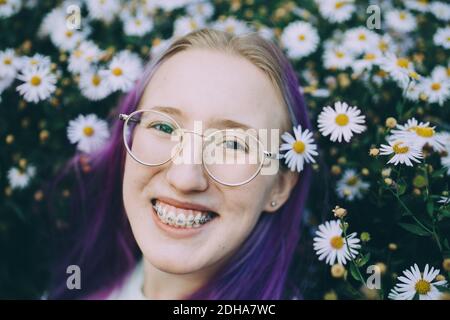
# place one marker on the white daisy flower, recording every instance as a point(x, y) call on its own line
point(350, 186)
point(8, 62)
point(369, 59)
point(442, 37)
point(185, 25)
point(436, 90)
point(49, 21)
point(386, 44)
point(360, 40)
point(418, 5)
point(445, 138)
point(337, 58)
point(93, 85)
point(19, 178)
point(34, 61)
point(89, 132)
point(300, 148)
point(445, 162)
point(401, 21)
point(412, 92)
point(300, 39)
point(336, 11)
point(399, 68)
point(159, 46)
point(64, 38)
point(123, 70)
point(83, 57)
point(418, 133)
point(104, 10)
point(441, 73)
point(331, 245)
point(205, 10)
point(440, 10)
point(231, 25)
point(444, 200)
point(137, 25)
point(39, 83)
point(9, 8)
point(414, 283)
point(5, 82)
point(341, 122)
point(404, 152)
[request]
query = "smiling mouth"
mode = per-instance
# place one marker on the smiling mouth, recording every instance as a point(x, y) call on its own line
point(181, 217)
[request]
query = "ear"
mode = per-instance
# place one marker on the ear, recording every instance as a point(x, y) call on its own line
point(281, 191)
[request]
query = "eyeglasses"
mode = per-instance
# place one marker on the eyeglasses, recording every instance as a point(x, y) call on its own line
point(231, 157)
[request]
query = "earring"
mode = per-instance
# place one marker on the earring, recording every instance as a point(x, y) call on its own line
point(273, 203)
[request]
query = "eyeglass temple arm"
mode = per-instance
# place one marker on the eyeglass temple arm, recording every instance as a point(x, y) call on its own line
point(125, 117)
point(273, 155)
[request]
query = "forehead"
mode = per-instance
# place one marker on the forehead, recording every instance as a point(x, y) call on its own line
point(207, 84)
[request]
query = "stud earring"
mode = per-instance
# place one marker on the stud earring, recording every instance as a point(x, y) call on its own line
point(273, 203)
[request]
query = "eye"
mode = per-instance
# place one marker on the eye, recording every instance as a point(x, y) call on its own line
point(163, 127)
point(234, 144)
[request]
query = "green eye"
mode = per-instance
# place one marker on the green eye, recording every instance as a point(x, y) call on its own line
point(163, 127)
point(234, 145)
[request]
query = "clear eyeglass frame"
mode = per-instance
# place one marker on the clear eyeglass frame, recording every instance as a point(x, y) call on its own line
point(129, 117)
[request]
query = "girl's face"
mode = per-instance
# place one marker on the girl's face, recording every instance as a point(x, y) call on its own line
point(217, 89)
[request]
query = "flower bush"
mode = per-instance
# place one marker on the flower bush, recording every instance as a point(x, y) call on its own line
point(376, 78)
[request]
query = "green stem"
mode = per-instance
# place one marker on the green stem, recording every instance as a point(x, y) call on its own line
point(344, 229)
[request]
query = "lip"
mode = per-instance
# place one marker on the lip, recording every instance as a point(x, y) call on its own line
point(185, 205)
point(176, 232)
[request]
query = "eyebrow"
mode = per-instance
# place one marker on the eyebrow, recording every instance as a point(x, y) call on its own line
point(219, 123)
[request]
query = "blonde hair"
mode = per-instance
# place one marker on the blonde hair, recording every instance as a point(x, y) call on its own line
point(251, 46)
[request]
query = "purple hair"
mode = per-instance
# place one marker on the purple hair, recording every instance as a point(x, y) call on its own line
point(102, 243)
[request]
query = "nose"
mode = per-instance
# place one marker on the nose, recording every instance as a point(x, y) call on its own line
point(186, 172)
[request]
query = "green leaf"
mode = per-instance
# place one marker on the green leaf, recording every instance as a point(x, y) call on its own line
point(430, 208)
point(354, 272)
point(361, 262)
point(414, 229)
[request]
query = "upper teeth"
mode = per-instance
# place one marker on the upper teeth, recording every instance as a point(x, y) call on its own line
point(181, 217)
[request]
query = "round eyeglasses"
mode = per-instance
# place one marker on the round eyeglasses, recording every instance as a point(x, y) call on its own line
point(231, 157)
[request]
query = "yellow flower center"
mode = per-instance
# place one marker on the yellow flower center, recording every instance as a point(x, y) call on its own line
point(435, 86)
point(352, 181)
point(117, 72)
point(448, 72)
point(425, 132)
point(369, 56)
point(339, 4)
point(35, 81)
point(422, 286)
point(402, 16)
point(96, 80)
point(342, 119)
point(382, 45)
point(398, 149)
point(301, 37)
point(7, 61)
point(229, 29)
point(156, 41)
point(193, 24)
point(403, 62)
point(33, 62)
point(340, 54)
point(298, 146)
point(337, 242)
point(88, 131)
point(2, 2)
point(362, 37)
point(138, 22)
point(69, 34)
point(78, 53)
point(414, 75)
